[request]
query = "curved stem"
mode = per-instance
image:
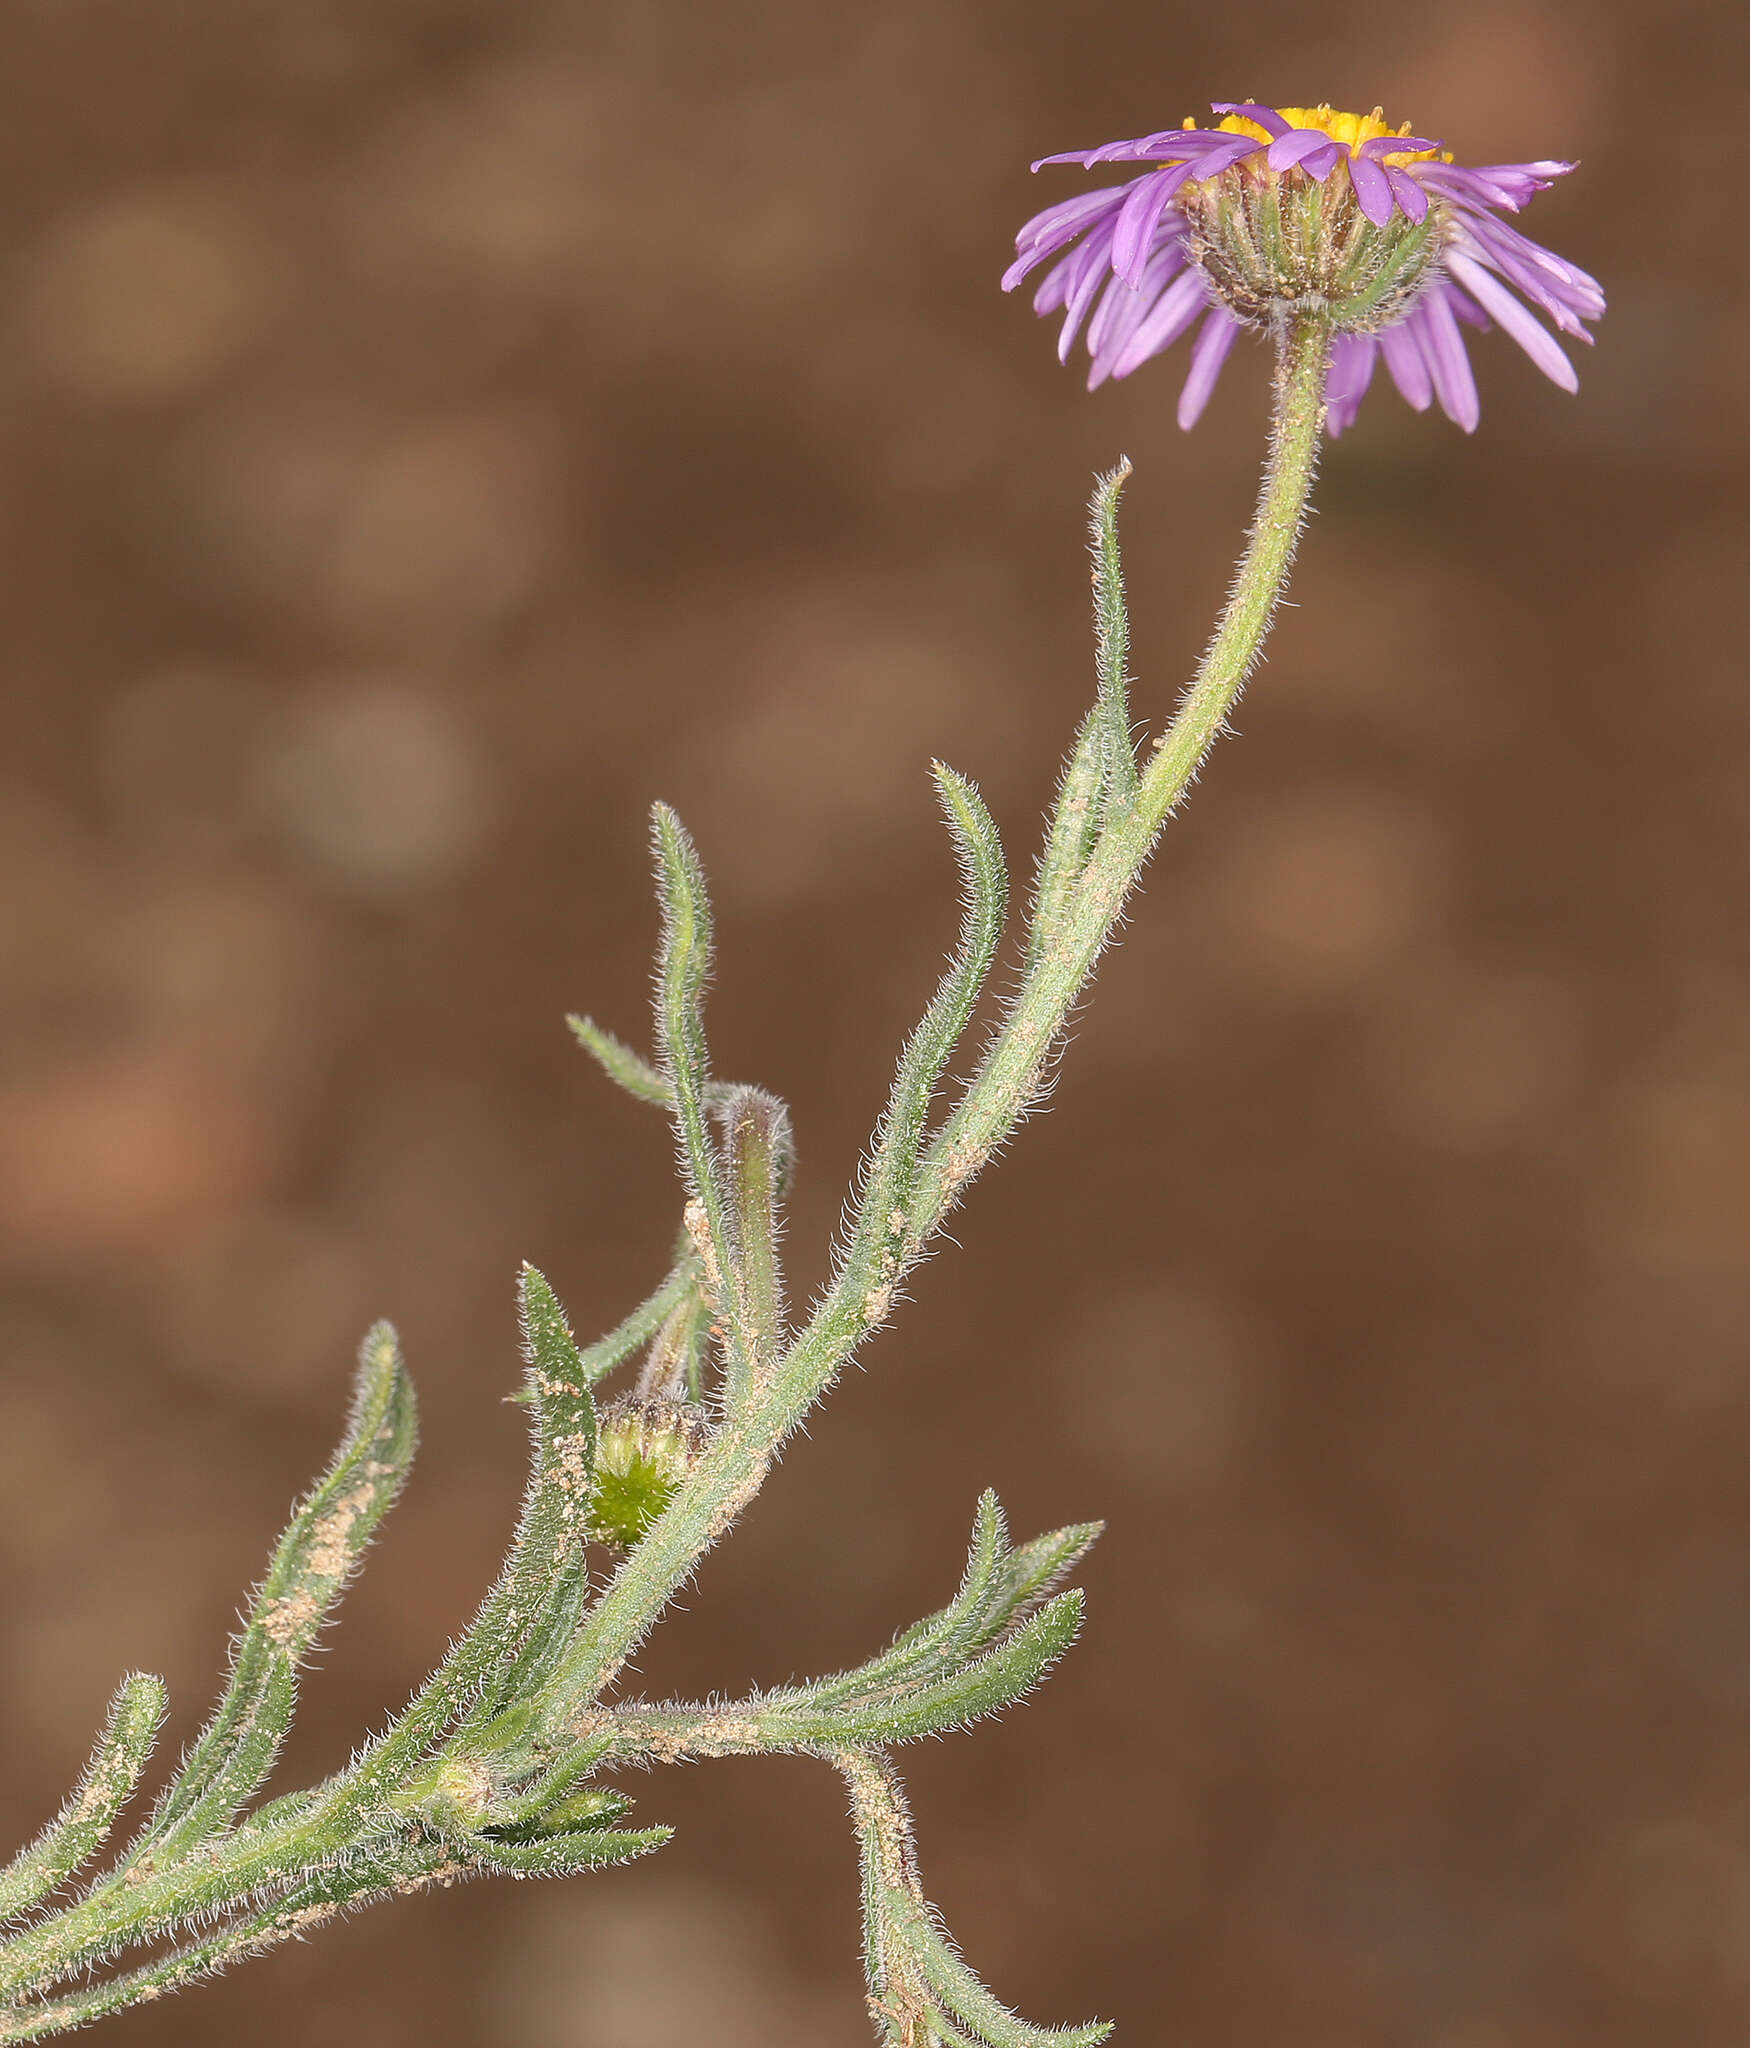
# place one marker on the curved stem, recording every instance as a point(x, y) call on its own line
point(1007, 1079)
point(336, 1843)
point(1303, 358)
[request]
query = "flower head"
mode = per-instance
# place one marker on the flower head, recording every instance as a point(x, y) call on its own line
point(1278, 212)
point(645, 1448)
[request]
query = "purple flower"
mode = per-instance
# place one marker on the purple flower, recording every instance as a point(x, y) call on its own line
point(1279, 210)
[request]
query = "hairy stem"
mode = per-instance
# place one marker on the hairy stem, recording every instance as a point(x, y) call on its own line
point(482, 1770)
point(1009, 1075)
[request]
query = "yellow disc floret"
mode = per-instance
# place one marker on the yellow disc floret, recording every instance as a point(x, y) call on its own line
point(1351, 130)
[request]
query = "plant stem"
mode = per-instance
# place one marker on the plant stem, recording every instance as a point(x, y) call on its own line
point(734, 1468)
point(1296, 429)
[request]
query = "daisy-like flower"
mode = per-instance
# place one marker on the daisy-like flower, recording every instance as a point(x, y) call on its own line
point(1285, 212)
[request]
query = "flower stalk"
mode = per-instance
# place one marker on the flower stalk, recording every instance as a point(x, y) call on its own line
point(489, 1769)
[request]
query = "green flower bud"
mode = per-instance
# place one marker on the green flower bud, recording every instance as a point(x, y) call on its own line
point(646, 1448)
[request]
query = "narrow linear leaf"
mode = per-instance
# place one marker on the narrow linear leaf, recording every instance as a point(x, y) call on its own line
point(317, 1554)
point(565, 1855)
point(546, 1571)
point(1038, 1568)
point(759, 1154)
point(473, 1667)
point(118, 1761)
point(880, 1246)
point(1084, 881)
point(966, 1998)
point(540, 1805)
point(985, 1686)
point(631, 1070)
point(318, 1896)
point(972, 1618)
point(1070, 835)
point(674, 1366)
point(921, 1994)
point(1101, 774)
point(685, 967)
point(1112, 639)
point(626, 1068)
point(641, 1325)
point(567, 1816)
point(928, 1646)
point(1000, 1588)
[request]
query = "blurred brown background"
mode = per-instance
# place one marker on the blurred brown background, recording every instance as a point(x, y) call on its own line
point(429, 429)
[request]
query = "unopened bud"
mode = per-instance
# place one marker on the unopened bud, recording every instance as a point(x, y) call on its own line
point(645, 1449)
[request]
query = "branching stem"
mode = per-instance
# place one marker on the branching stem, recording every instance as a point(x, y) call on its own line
point(1008, 1078)
point(484, 1770)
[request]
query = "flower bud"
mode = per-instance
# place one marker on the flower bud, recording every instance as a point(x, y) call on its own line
point(454, 1792)
point(644, 1451)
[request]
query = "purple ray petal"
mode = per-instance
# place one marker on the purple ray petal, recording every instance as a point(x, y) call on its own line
point(1513, 318)
point(1068, 216)
point(1296, 145)
point(1093, 263)
point(1064, 278)
point(1054, 285)
point(1123, 307)
point(1208, 352)
point(1465, 308)
point(1352, 360)
point(1175, 310)
point(1543, 172)
point(1169, 144)
point(1448, 364)
point(1408, 193)
point(1222, 156)
point(1407, 364)
point(1564, 291)
point(1133, 229)
point(1373, 190)
point(1267, 118)
point(1208, 137)
point(1390, 145)
point(1055, 229)
point(1508, 185)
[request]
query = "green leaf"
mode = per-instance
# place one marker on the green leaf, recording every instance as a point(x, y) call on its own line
point(620, 1063)
point(118, 1761)
point(317, 1554)
point(1112, 640)
point(964, 1998)
point(684, 969)
point(1100, 776)
point(563, 1816)
point(921, 1994)
point(985, 1685)
point(1039, 1567)
point(546, 1573)
point(642, 1325)
point(317, 1896)
point(1071, 835)
point(760, 1155)
point(1000, 1588)
point(564, 1855)
point(881, 1243)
